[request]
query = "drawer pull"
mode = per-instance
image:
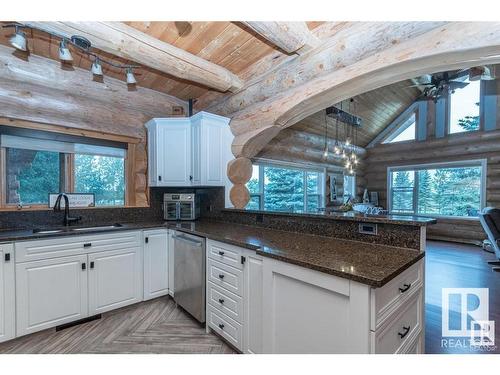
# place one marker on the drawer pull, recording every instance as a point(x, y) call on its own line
point(221, 253)
point(87, 244)
point(405, 288)
point(221, 276)
point(7, 257)
point(221, 326)
point(406, 330)
point(221, 300)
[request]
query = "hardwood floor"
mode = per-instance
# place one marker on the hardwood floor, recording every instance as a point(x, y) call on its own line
point(156, 326)
point(450, 265)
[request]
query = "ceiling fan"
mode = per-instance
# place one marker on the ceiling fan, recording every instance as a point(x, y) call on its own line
point(436, 85)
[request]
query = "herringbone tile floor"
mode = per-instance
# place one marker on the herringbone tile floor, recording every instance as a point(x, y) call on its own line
point(156, 326)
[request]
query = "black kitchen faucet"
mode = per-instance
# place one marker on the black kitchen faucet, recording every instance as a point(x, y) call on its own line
point(57, 208)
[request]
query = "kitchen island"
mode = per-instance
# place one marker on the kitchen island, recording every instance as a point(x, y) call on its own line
point(269, 290)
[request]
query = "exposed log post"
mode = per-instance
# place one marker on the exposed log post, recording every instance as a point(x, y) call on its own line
point(291, 37)
point(122, 40)
point(239, 195)
point(239, 170)
point(455, 45)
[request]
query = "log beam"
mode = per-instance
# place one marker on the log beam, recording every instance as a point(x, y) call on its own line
point(124, 41)
point(291, 37)
point(452, 46)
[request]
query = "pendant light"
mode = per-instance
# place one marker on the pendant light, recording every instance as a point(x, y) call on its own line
point(96, 67)
point(64, 52)
point(325, 152)
point(18, 40)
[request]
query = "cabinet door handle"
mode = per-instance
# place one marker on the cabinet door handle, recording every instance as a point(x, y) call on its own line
point(405, 288)
point(87, 244)
point(221, 253)
point(146, 240)
point(221, 326)
point(406, 330)
point(7, 257)
point(190, 178)
point(221, 300)
point(84, 266)
point(159, 178)
point(92, 265)
point(221, 276)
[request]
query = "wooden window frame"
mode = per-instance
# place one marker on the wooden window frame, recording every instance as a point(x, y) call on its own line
point(68, 160)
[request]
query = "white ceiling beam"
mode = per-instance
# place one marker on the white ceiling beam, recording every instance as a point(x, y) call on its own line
point(124, 41)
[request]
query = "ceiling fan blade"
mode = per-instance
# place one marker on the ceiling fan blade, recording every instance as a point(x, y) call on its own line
point(457, 85)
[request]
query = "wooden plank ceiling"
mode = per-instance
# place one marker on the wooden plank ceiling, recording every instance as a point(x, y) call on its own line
point(377, 109)
point(230, 45)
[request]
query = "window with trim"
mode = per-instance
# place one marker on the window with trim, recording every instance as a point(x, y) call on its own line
point(449, 189)
point(34, 167)
point(405, 132)
point(464, 108)
point(276, 187)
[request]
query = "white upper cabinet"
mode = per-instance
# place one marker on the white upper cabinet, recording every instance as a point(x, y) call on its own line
point(190, 151)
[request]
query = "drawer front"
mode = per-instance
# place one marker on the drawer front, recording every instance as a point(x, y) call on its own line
point(225, 326)
point(224, 253)
point(395, 292)
point(400, 329)
point(225, 277)
point(37, 249)
point(226, 302)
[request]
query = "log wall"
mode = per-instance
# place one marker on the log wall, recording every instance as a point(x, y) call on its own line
point(453, 147)
point(41, 93)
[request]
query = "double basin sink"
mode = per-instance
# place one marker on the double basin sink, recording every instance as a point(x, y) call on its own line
point(75, 229)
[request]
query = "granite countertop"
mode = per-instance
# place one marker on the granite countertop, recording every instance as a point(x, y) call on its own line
point(370, 264)
point(349, 216)
point(366, 263)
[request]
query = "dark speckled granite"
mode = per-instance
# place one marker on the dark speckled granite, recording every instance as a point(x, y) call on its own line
point(388, 233)
point(369, 264)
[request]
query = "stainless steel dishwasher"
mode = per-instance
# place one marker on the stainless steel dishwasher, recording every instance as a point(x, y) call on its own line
point(189, 274)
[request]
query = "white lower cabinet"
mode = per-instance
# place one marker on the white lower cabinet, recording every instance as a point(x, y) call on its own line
point(292, 309)
point(50, 292)
point(156, 265)
point(7, 293)
point(104, 273)
point(115, 279)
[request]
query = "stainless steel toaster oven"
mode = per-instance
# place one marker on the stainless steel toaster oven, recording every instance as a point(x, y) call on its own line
point(181, 206)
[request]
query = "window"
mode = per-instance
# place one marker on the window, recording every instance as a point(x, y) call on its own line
point(349, 187)
point(452, 189)
point(35, 167)
point(284, 188)
point(405, 132)
point(464, 108)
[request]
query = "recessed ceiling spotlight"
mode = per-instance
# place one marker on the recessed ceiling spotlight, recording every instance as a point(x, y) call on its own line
point(18, 40)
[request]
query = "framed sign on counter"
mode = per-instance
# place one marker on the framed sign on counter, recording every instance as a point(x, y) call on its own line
point(76, 200)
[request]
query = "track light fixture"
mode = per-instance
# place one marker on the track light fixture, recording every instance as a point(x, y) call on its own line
point(18, 41)
point(96, 67)
point(130, 77)
point(64, 53)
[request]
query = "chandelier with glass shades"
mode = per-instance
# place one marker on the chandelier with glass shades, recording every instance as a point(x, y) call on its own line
point(19, 41)
point(345, 144)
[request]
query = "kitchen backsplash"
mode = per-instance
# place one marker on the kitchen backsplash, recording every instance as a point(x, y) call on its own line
point(211, 201)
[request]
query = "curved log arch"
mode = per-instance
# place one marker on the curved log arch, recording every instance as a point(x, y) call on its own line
point(454, 45)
